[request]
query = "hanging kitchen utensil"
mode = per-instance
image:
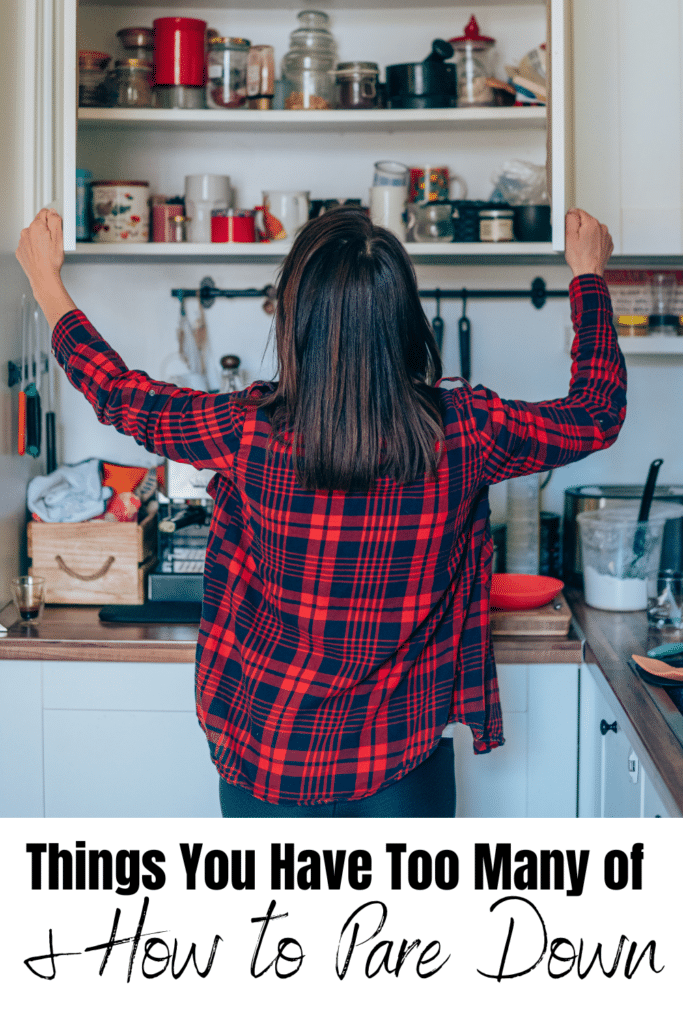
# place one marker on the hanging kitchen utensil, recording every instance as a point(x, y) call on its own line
point(33, 410)
point(465, 340)
point(644, 511)
point(50, 422)
point(437, 323)
point(21, 434)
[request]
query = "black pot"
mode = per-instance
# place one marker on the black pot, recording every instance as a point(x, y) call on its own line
point(405, 101)
point(532, 224)
point(431, 78)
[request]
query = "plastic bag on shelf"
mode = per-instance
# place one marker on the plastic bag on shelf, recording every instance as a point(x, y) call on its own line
point(521, 183)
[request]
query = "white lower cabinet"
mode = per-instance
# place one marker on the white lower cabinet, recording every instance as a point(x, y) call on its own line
point(534, 775)
point(612, 781)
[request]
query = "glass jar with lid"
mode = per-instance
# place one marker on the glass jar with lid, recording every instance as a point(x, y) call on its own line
point(308, 67)
point(474, 58)
point(92, 71)
point(130, 84)
point(226, 72)
point(357, 85)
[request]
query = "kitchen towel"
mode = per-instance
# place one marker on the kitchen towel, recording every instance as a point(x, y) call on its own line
point(71, 494)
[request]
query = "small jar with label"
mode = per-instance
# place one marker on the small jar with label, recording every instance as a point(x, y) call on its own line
point(130, 84)
point(260, 77)
point(496, 224)
point(357, 85)
point(178, 228)
point(226, 72)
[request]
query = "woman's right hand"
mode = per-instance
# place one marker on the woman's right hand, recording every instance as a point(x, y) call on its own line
point(41, 255)
point(588, 243)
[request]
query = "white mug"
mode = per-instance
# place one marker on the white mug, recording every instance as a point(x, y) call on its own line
point(386, 208)
point(289, 210)
point(203, 193)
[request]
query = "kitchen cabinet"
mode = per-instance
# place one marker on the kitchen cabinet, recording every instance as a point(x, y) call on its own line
point(329, 153)
point(534, 774)
point(628, 120)
point(612, 780)
point(121, 739)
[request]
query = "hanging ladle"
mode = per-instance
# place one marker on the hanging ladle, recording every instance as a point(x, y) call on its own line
point(644, 511)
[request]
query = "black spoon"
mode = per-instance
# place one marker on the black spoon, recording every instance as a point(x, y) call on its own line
point(644, 511)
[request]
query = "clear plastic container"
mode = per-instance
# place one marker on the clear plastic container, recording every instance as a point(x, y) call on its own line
point(308, 67)
point(474, 59)
point(226, 72)
point(523, 525)
point(620, 557)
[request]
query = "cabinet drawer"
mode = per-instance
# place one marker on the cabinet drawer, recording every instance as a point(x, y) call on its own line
point(118, 686)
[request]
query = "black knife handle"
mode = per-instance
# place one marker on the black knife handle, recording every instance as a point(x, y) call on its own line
point(50, 443)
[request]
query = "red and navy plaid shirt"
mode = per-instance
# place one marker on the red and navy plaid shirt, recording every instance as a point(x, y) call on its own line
point(341, 632)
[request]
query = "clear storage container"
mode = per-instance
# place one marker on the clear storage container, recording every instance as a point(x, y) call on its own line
point(226, 72)
point(474, 63)
point(308, 67)
point(620, 557)
point(130, 84)
point(357, 85)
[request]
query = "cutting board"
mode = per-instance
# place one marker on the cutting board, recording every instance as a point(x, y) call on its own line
point(544, 621)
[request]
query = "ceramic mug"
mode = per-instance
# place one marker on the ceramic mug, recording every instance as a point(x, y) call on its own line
point(284, 213)
point(433, 185)
point(387, 204)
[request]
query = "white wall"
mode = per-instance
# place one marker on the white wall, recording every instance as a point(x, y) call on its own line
point(516, 350)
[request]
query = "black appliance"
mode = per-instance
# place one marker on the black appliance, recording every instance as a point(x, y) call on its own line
point(428, 83)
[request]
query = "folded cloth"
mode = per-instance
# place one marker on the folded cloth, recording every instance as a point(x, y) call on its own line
point(71, 494)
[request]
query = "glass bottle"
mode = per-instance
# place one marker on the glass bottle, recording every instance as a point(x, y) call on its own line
point(226, 72)
point(308, 67)
point(230, 374)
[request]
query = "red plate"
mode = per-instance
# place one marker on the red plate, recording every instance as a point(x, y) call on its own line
point(514, 591)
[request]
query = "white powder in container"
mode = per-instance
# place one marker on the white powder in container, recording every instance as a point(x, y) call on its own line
point(613, 594)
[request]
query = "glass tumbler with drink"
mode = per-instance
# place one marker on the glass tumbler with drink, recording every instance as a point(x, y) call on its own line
point(29, 597)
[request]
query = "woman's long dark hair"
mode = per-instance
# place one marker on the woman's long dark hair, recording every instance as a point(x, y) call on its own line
point(356, 357)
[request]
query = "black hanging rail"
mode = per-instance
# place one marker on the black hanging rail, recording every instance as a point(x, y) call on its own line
point(207, 293)
point(538, 293)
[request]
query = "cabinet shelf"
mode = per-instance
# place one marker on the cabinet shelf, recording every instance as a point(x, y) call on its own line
point(314, 120)
point(270, 252)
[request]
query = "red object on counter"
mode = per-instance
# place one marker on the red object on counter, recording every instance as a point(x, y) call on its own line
point(179, 51)
point(519, 592)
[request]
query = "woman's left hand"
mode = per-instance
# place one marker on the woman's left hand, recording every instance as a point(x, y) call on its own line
point(41, 255)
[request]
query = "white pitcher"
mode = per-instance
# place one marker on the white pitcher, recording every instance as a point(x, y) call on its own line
point(284, 214)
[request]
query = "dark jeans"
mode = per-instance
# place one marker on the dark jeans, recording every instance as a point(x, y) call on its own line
point(428, 791)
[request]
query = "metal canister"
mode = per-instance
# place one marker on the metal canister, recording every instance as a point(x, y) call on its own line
point(162, 220)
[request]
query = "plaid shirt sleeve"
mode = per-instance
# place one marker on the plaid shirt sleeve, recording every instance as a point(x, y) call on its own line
point(520, 438)
point(183, 425)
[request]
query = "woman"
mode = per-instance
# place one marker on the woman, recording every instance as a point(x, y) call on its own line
point(345, 623)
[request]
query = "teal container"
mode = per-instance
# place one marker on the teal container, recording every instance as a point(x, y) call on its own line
point(83, 179)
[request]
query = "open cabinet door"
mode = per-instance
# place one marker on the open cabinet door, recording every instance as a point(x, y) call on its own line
point(560, 107)
point(50, 125)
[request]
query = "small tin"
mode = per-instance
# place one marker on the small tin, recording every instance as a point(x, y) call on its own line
point(162, 220)
point(120, 211)
point(496, 224)
point(83, 179)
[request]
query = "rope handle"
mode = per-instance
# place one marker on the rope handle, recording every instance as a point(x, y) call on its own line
point(79, 576)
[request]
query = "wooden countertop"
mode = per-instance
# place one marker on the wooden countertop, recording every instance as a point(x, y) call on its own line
point(611, 638)
point(75, 633)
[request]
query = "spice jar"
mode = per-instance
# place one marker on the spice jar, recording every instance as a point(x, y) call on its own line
point(92, 69)
point(226, 72)
point(260, 77)
point(178, 230)
point(474, 64)
point(308, 66)
point(496, 224)
point(131, 84)
point(137, 43)
point(357, 85)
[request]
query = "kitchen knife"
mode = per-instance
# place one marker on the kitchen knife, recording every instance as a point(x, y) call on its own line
point(437, 324)
point(34, 420)
point(21, 434)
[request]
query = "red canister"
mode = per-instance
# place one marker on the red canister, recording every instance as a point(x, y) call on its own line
point(233, 226)
point(179, 51)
